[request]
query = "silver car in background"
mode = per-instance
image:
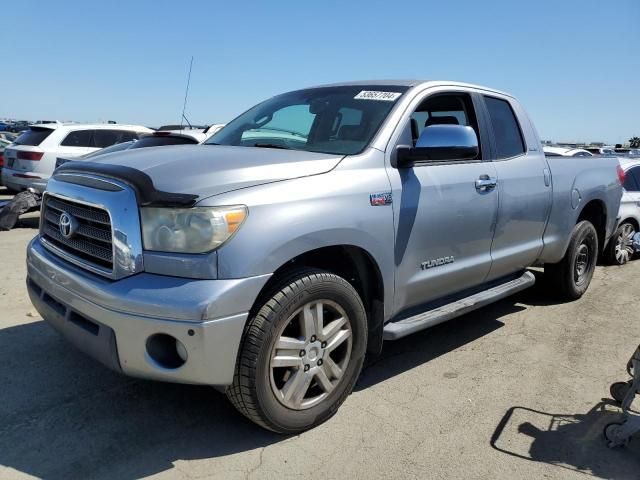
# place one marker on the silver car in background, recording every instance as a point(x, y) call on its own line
point(621, 247)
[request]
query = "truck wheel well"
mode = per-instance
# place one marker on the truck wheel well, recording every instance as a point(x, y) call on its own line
point(355, 265)
point(595, 212)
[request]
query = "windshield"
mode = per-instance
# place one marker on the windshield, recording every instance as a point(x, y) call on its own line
point(336, 120)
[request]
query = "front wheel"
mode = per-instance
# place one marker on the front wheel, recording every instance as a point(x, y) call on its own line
point(571, 277)
point(620, 248)
point(301, 353)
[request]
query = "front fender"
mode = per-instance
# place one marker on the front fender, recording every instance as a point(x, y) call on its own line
point(287, 219)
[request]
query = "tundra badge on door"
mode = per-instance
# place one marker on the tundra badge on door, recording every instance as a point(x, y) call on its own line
point(436, 262)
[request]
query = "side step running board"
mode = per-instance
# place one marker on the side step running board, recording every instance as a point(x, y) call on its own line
point(402, 328)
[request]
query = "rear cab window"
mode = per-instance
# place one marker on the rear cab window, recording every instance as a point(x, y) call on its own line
point(506, 130)
point(33, 137)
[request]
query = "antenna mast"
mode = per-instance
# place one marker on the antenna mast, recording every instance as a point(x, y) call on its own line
point(186, 94)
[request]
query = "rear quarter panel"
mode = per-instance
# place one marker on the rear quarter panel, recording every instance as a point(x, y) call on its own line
point(576, 182)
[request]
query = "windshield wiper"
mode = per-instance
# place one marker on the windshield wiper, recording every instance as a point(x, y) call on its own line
point(270, 145)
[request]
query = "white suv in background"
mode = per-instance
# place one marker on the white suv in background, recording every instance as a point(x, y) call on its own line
point(31, 159)
point(621, 247)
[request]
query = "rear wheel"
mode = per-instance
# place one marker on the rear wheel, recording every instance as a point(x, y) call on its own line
point(571, 277)
point(301, 354)
point(620, 248)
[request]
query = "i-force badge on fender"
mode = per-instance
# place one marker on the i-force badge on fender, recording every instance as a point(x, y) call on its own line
point(380, 199)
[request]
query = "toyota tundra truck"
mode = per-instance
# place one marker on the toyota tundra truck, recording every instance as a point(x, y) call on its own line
point(270, 260)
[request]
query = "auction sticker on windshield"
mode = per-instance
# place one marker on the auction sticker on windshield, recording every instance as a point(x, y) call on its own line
point(375, 95)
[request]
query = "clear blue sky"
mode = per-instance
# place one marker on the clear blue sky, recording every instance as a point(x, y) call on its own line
point(575, 64)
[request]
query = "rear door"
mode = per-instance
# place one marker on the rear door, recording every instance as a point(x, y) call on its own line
point(524, 187)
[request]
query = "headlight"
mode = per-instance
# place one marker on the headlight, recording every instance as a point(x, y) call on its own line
point(189, 230)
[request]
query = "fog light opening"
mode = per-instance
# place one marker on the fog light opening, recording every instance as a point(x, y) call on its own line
point(166, 351)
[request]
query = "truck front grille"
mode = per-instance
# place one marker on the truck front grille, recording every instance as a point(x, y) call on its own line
point(90, 240)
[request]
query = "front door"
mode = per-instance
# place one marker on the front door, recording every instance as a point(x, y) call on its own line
point(444, 222)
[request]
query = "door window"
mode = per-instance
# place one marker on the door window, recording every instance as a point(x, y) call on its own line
point(444, 109)
point(106, 138)
point(506, 130)
point(79, 138)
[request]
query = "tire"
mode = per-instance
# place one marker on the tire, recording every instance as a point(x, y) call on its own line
point(271, 363)
point(620, 248)
point(571, 277)
point(619, 390)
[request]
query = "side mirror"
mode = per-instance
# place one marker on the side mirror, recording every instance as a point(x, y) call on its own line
point(439, 143)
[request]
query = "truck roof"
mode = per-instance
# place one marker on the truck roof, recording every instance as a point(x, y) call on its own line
point(413, 83)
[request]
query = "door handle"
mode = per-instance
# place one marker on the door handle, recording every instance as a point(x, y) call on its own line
point(485, 183)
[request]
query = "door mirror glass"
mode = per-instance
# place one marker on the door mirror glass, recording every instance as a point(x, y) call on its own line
point(439, 143)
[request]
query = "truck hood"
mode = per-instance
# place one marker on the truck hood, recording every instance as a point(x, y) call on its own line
point(207, 170)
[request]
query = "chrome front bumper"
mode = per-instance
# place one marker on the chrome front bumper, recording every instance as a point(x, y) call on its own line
point(113, 321)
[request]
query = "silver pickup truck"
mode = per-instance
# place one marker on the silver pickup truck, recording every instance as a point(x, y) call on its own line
point(269, 260)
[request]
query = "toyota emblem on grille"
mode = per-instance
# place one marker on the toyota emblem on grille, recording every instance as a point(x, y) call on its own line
point(68, 225)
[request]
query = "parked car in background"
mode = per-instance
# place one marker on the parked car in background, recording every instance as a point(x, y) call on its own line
point(31, 159)
point(566, 152)
point(620, 249)
point(634, 153)
point(159, 138)
point(8, 136)
point(314, 226)
point(18, 126)
point(3, 144)
point(176, 127)
point(607, 151)
point(198, 133)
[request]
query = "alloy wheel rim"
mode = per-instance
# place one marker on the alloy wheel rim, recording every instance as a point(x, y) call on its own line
point(624, 244)
point(311, 354)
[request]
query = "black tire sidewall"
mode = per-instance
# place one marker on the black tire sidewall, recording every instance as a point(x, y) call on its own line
point(583, 232)
point(316, 287)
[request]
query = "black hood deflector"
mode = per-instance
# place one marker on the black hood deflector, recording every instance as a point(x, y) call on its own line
point(140, 182)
